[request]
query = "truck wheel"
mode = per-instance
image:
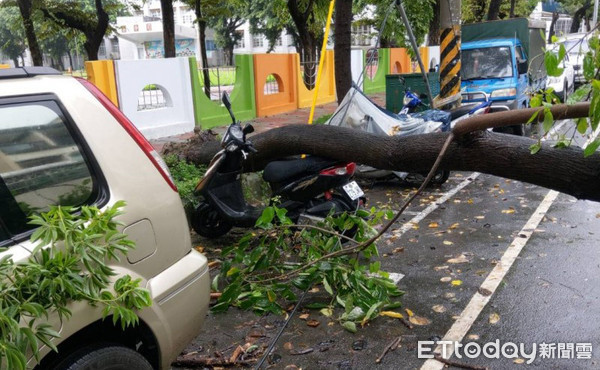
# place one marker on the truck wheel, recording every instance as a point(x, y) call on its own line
point(440, 177)
point(206, 221)
point(104, 356)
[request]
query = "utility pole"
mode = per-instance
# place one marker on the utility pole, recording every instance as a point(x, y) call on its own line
point(450, 16)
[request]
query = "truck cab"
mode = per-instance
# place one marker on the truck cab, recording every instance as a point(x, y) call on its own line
point(497, 67)
point(503, 61)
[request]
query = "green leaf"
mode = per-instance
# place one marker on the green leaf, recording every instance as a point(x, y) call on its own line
point(591, 148)
point(534, 148)
point(588, 66)
point(535, 101)
point(533, 116)
point(266, 218)
point(350, 326)
point(551, 63)
point(582, 125)
point(327, 286)
point(548, 120)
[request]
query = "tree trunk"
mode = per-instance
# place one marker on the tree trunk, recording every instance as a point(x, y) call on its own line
point(579, 15)
point(494, 10)
point(552, 26)
point(202, 38)
point(70, 59)
point(479, 11)
point(16, 61)
point(565, 170)
point(307, 40)
point(168, 21)
point(25, 7)
point(342, 47)
point(433, 37)
point(511, 14)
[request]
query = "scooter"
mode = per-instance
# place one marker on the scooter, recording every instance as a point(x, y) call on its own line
point(309, 188)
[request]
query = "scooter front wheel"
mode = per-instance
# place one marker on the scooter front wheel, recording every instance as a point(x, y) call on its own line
point(206, 221)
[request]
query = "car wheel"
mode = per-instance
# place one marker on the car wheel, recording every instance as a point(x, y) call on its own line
point(106, 357)
point(207, 222)
point(440, 177)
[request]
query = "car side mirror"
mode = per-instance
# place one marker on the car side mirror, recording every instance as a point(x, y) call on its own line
point(522, 67)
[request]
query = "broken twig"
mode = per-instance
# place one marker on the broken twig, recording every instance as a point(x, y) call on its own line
point(390, 347)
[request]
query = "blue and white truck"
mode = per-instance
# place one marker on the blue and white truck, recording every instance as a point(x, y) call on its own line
point(505, 61)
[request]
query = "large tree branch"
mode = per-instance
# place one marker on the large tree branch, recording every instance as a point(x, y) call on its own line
point(508, 156)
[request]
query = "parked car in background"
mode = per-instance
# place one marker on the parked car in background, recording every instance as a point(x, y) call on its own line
point(576, 45)
point(564, 84)
point(63, 142)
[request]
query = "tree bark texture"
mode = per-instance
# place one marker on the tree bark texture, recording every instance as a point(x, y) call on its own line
point(494, 10)
point(25, 8)
point(551, 32)
point(433, 36)
point(511, 14)
point(343, 45)
point(565, 170)
point(168, 21)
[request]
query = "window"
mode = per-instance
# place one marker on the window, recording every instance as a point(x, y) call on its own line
point(186, 18)
point(102, 49)
point(115, 45)
point(279, 41)
point(257, 41)
point(521, 57)
point(155, 13)
point(41, 165)
point(210, 45)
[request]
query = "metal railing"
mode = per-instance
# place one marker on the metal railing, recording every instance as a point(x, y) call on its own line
point(151, 97)
point(220, 79)
point(309, 73)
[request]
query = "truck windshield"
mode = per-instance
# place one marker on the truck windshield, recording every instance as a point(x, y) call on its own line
point(494, 62)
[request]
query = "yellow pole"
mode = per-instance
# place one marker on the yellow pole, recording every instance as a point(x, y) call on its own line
point(321, 61)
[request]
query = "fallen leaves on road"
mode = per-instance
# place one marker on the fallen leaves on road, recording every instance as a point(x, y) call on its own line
point(479, 217)
point(460, 259)
point(508, 211)
point(519, 361)
point(418, 320)
point(456, 282)
point(313, 323)
point(446, 279)
point(398, 250)
point(327, 311)
point(303, 316)
point(288, 346)
point(439, 268)
point(409, 312)
point(494, 318)
point(473, 337)
point(433, 225)
point(448, 242)
point(454, 226)
point(484, 292)
point(439, 308)
point(395, 315)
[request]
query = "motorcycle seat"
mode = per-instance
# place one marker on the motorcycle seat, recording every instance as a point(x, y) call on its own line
point(278, 171)
point(462, 110)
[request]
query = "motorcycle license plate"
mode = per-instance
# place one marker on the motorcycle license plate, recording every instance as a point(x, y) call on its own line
point(353, 190)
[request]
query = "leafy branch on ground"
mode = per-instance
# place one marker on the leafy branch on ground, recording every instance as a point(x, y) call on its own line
point(68, 264)
point(186, 176)
point(553, 60)
point(251, 271)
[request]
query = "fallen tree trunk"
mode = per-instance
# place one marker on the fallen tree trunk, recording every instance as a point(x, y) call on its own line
point(565, 170)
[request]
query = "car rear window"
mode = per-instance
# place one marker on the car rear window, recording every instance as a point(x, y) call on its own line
point(41, 165)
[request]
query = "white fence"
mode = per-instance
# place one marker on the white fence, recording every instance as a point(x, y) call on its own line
point(156, 95)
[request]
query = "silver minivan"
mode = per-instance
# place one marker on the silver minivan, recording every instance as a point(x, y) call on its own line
point(59, 133)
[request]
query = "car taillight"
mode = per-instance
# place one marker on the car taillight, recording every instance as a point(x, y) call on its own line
point(137, 136)
point(347, 169)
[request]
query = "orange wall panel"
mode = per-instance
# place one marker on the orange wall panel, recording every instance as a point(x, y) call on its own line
point(283, 67)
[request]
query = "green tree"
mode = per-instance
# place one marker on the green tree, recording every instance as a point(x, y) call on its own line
point(12, 34)
point(227, 17)
point(90, 17)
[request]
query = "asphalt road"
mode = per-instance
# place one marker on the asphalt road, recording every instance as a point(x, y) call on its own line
point(484, 259)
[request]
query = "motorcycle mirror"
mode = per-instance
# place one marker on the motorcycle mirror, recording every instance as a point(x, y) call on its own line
point(248, 129)
point(227, 103)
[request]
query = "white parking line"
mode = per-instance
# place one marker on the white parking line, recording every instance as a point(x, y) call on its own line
point(433, 206)
point(461, 326)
